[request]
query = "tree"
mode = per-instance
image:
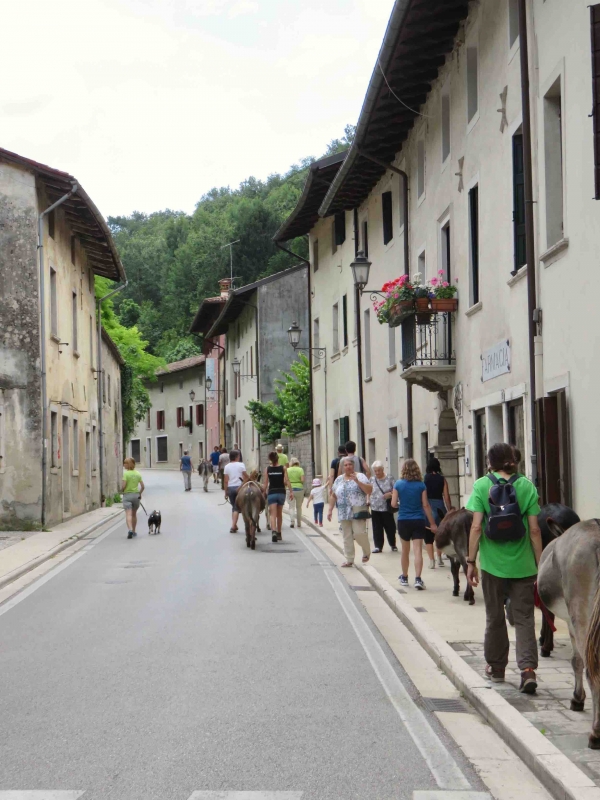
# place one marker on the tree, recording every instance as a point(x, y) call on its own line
point(291, 410)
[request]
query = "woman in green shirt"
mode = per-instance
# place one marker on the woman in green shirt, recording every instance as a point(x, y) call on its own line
point(295, 475)
point(132, 488)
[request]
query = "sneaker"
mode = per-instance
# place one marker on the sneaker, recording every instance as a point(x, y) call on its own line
point(495, 675)
point(394, 549)
point(419, 584)
point(440, 561)
point(432, 564)
point(130, 534)
point(528, 682)
point(403, 580)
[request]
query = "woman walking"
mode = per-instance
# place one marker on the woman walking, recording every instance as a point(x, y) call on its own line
point(275, 481)
point(438, 495)
point(318, 494)
point(410, 495)
point(295, 475)
point(351, 491)
point(132, 487)
point(382, 512)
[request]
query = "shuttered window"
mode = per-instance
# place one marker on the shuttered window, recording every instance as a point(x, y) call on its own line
point(519, 203)
point(200, 414)
point(595, 26)
point(387, 214)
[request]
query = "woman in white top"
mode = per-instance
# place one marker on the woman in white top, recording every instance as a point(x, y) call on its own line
point(234, 474)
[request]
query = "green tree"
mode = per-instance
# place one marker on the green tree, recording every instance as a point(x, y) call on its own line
point(291, 410)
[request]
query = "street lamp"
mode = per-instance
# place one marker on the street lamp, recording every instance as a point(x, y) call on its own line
point(208, 383)
point(360, 270)
point(192, 395)
point(235, 366)
point(294, 334)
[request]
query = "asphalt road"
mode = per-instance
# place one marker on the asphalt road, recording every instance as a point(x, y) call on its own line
point(161, 666)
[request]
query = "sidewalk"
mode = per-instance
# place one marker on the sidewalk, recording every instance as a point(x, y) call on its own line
point(22, 551)
point(461, 626)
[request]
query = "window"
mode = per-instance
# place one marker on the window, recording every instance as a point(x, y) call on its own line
point(472, 83)
point(316, 336)
point(136, 450)
point(87, 455)
point(200, 414)
point(92, 341)
point(474, 242)
point(520, 254)
point(371, 451)
point(421, 265)
point(315, 255)
point(201, 450)
point(367, 340)
point(445, 126)
point(340, 228)
point(160, 420)
point(53, 439)
point(72, 249)
point(345, 320)
point(424, 450)
point(420, 168)
point(553, 159)
point(393, 447)
point(108, 390)
point(161, 448)
point(162, 388)
point(446, 252)
point(336, 338)
point(391, 346)
point(94, 449)
point(148, 421)
point(251, 362)
point(344, 430)
point(53, 303)
point(595, 24)
point(75, 444)
point(51, 224)
point(180, 449)
point(480, 444)
point(181, 384)
point(318, 461)
point(180, 416)
point(386, 212)
point(65, 456)
point(513, 21)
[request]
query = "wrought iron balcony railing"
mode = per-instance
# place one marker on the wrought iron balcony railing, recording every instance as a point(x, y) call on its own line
point(428, 343)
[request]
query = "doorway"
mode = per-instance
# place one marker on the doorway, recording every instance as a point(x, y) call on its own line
point(149, 452)
point(65, 461)
point(555, 452)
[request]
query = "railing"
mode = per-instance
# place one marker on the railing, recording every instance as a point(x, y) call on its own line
point(427, 344)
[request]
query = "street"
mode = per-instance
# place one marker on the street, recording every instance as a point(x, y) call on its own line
point(163, 666)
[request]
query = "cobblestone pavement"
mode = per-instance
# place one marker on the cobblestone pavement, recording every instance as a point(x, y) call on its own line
point(7, 539)
point(549, 710)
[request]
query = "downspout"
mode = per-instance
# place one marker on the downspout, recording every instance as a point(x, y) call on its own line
point(533, 313)
point(409, 388)
point(100, 377)
point(357, 295)
point(43, 342)
point(214, 344)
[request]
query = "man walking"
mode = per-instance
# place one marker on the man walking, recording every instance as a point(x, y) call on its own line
point(223, 461)
point(505, 507)
point(214, 460)
point(185, 465)
point(360, 465)
point(282, 459)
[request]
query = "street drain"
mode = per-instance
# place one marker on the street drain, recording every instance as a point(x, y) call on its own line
point(363, 588)
point(455, 706)
point(421, 609)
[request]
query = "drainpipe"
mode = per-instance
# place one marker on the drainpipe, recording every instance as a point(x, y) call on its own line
point(40, 247)
point(361, 404)
point(409, 388)
point(99, 375)
point(533, 312)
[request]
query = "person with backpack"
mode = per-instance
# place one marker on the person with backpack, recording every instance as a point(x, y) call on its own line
point(360, 465)
point(506, 534)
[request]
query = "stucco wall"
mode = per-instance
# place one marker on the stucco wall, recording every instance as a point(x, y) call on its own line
point(112, 422)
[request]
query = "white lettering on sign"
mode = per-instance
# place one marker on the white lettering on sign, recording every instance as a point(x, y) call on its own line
point(495, 361)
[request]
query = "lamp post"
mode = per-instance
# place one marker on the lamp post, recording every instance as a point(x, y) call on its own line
point(360, 272)
point(192, 395)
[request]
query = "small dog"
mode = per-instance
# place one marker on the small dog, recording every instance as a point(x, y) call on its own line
point(154, 521)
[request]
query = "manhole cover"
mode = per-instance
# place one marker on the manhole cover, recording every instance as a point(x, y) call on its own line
point(363, 588)
point(455, 706)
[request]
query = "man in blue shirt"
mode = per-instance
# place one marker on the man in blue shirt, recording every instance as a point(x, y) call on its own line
point(214, 460)
point(185, 465)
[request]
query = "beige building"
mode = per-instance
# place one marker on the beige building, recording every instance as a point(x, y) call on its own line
point(445, 110)
point(176, 419)
point(53, 241)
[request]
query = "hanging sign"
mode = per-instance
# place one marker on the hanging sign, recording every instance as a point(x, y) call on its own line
point(495, 361)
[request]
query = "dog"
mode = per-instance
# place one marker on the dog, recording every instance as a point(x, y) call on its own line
point(154, 521)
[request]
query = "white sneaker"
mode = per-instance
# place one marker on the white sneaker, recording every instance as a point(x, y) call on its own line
point(432, 564)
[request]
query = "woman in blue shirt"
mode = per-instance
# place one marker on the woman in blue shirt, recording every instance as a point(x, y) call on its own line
point(410, 496)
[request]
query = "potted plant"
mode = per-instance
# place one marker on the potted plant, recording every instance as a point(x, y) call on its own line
point(398, 301)
point(188, 424)
point(443, 294)
point(422, 296)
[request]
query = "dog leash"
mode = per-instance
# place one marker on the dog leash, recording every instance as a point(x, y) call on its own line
point(142, 505)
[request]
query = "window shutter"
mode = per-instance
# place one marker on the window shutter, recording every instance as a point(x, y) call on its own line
point(595, 29)
point(340, 228)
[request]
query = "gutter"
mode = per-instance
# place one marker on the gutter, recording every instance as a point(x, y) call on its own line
point(40, 245)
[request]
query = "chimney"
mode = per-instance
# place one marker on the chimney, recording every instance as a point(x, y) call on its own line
point(225, 284)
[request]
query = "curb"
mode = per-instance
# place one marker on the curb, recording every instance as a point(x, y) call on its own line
point(35, 562)
point(561, 777)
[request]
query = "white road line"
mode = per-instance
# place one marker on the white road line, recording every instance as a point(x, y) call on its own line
point(40, 795)
point(18, 598)
point(245, 796)
point(443, 767)
point(449, 796)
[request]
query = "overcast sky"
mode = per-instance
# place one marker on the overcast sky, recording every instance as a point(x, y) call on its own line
point(150, 103)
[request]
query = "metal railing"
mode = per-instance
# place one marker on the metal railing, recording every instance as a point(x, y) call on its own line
point(427, 343)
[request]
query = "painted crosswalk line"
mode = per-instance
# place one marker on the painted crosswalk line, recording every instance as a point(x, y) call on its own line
point(440, 794)
point(39, 794)
point(245, 796)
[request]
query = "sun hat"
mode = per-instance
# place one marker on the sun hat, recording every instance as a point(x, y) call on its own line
point(316, 482)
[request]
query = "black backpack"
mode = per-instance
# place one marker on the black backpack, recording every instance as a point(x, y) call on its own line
point(505, 521)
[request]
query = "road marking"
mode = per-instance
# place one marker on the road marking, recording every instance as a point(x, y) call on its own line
point(40, 795)
point(443, 767)
point(18, 598)
point(435, 795)
point(245, 796)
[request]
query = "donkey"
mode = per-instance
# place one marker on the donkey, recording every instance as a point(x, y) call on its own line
point(452, 538)
point(569, 585)
point(251, 502)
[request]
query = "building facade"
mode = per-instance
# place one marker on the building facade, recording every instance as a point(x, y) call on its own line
point(49, 406)
point(176, 419)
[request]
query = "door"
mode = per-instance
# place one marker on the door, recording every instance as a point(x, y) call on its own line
point(516, 430)
point(149, 452)
point(135, 450)
point(161, 448)
point(480, 444)
point(555, 449)
point(65, 462)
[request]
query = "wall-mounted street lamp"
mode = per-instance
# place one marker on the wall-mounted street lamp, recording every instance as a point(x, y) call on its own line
point(235, 365)
point(294, 335)
point(192, 395)
point(208, 383)
point(360, 270)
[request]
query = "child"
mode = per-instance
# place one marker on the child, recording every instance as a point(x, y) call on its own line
point(318, 495)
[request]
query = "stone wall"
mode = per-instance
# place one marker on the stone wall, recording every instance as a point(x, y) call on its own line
point(299, 446)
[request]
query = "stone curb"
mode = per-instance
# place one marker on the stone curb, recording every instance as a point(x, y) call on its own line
point(35, 562)
point(563, 779)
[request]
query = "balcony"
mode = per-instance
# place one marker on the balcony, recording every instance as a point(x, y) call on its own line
point(428, 358)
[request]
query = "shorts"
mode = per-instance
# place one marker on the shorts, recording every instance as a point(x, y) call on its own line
point(410, 529)
point(276, 498)
point(215, 469)
point(131, 501)
point(232, 495)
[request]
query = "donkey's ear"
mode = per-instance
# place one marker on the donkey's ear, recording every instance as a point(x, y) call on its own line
point(554, 528)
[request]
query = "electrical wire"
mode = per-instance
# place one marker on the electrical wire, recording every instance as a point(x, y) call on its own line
point(414, 111)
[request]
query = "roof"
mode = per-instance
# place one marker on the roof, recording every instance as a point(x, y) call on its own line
point(209, 310)
point(86, 222)
point(419, 36)
point(112, 347)
point(178, 366)
point(238, 300)
point(320, 175)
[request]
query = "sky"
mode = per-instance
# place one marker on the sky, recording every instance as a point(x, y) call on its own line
point(151, 103)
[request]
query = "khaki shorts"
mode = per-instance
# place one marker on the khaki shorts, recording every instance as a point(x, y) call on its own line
point(131, 501)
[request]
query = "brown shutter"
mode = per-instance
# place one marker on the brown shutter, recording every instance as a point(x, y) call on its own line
point(595, 29)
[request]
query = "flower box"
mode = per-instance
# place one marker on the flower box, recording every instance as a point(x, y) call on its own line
point(400, 311)
point(444, 304)
point(422, 310)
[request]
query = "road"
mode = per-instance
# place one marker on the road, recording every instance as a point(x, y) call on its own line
point(163, 666)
